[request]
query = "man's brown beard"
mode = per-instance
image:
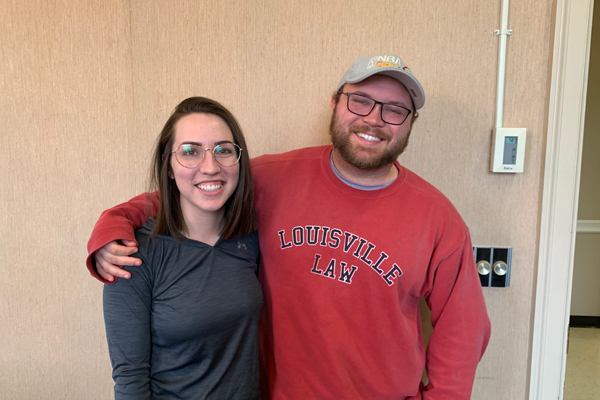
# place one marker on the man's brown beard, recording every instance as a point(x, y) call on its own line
point(341, 142)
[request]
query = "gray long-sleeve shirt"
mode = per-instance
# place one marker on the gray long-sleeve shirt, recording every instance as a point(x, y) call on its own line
point(185, 326)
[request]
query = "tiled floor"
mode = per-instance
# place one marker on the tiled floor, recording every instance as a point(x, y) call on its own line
point(582, 380)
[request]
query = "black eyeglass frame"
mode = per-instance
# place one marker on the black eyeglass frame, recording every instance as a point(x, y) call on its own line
point(239, 153)
point(375, 102)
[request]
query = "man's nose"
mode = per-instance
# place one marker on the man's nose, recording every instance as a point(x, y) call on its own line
point(374, 117)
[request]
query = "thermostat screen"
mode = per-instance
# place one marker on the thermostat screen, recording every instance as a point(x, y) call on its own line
point(510, 150)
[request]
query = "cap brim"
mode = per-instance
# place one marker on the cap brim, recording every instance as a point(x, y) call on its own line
point(412, 84)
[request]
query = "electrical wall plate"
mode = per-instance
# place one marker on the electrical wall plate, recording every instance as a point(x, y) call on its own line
point(493, 265)
point(508, 150)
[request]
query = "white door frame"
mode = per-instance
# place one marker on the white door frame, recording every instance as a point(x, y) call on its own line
point(568, 91)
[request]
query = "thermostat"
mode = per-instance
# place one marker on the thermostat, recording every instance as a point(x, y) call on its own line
point(508, 150)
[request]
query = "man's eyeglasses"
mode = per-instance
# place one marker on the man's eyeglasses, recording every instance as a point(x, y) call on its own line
point(390, 113)
point(190, 155)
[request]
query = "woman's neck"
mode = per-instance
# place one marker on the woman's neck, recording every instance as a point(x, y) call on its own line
point(203, 227)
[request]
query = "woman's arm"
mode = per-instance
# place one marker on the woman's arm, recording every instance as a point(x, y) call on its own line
point(127, 317)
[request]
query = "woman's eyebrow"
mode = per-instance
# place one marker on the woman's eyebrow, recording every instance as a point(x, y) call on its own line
point(200, 144)
point(196, 143)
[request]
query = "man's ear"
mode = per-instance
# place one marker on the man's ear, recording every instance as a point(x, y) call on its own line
point(333, 101)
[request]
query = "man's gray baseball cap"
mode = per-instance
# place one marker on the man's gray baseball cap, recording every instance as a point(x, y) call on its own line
point(385, 64)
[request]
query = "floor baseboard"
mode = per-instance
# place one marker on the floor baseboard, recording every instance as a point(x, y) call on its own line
point(584, 321)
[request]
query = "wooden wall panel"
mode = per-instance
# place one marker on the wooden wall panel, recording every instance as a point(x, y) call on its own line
point(85, 86)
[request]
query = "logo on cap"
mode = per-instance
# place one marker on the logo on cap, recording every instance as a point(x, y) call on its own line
point(386, 61)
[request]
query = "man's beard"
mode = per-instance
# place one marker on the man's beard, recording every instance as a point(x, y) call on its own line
point(340, 138)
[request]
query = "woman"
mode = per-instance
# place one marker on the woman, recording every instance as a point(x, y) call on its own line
point(186, 324)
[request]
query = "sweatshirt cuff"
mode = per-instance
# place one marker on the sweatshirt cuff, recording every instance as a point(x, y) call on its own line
point(96, 243)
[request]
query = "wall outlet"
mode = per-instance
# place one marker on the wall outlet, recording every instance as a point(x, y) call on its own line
point(493, 265)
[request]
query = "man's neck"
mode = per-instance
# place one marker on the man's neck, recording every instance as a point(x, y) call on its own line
point(371, 177)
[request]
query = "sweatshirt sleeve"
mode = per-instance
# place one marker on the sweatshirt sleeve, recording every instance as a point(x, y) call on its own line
point(461, 326)
point(127, 317)
point(119, 223)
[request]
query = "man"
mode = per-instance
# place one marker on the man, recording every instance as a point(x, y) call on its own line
point(350, 241)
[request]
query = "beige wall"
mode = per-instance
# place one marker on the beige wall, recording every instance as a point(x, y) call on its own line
point(85, 86)
point(585, 299)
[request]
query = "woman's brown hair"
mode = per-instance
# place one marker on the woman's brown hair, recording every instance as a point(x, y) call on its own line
point(240, 218)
